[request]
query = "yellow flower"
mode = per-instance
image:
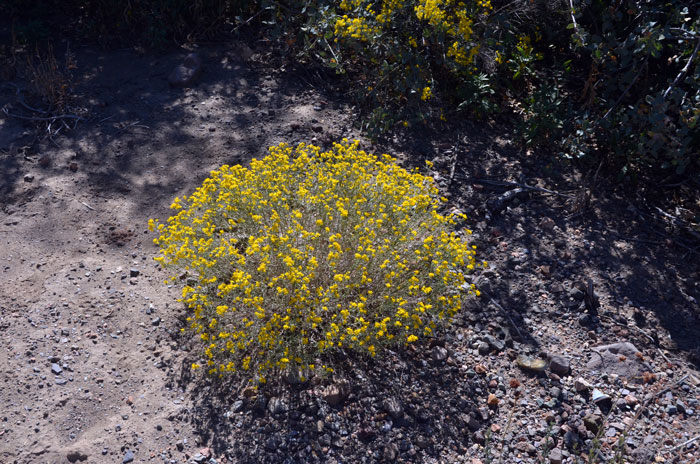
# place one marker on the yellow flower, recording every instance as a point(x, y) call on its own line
point(427, 94)
point(307, 251)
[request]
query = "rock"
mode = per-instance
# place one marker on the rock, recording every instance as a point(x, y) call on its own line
point(438, 354)
point(680, 406)
point(393, 407)
point(391, 452)
point(237, 406)
point(186, 73)
point(547, 224)
point(602, 400)
point(56, 369)
point(203, 455)
point(556, 287)
point(73, 166)
point(422, 442)
point(29, 178)
point(572, 440)
point(155, 321)
point(128, 457)
point(555, 456)
point(577, 294)
point(530, 364)
point(133, 272)
point(593, 422)
point(334, 395)
point(622, 359)
point(259, 404)
point(277, 405)
point(584, 320)
point(484, 348)
point(559, 365)
point(60, 381)
point(494, 343)
point(76, 455)
point(492, 400)
point(581, 385)
point(472, 423)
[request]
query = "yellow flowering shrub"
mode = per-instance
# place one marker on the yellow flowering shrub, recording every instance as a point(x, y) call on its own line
point(305, 252)
point(402, 48)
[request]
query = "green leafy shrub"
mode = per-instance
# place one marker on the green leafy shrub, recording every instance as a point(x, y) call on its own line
point(407, 52)
point(307, 252)
point(641, 96)
point(584, 78)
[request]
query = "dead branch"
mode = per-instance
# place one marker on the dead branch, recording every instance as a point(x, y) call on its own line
point(522, 186)
point(47, 118)
point(684, 71)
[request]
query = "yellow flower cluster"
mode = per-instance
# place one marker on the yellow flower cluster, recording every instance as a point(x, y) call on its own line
point(356, 28)
point(448, 16)
point(308, 251)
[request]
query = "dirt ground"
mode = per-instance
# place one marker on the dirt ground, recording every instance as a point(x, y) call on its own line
point(91, 365)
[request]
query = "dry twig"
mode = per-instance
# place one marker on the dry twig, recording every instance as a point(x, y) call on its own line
point(522, 186)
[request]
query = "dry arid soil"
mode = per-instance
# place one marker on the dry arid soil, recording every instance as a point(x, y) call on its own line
point(93, 369)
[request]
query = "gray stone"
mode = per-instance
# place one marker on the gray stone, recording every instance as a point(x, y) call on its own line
point(571, 439)
point(494, 343)
point(530, 364)
point(238, 406)
point(155, 321)
point(577, 294)
point(621, 359)
point(76, 455)
point(484, 348)
point(393, 407)
point(133, 272)
point(277, 405)
point(199, 458)
point(334, 395)
point(391, 452)
point(56, 369)
point(422, 442)
point(60, 381)
point(438, 353)
point(555, 456)
point(681, 407)
point(601, 399)
point(526, 447)
point(472, 423)
point(186, 73)
point(593, 422)
point(128, 457)
point(559, 365)
point(581, 385)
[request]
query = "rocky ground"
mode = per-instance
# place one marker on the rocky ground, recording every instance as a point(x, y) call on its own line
point(584, 346)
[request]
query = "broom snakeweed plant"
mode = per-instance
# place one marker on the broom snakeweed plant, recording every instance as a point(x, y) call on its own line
point(306, 252)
